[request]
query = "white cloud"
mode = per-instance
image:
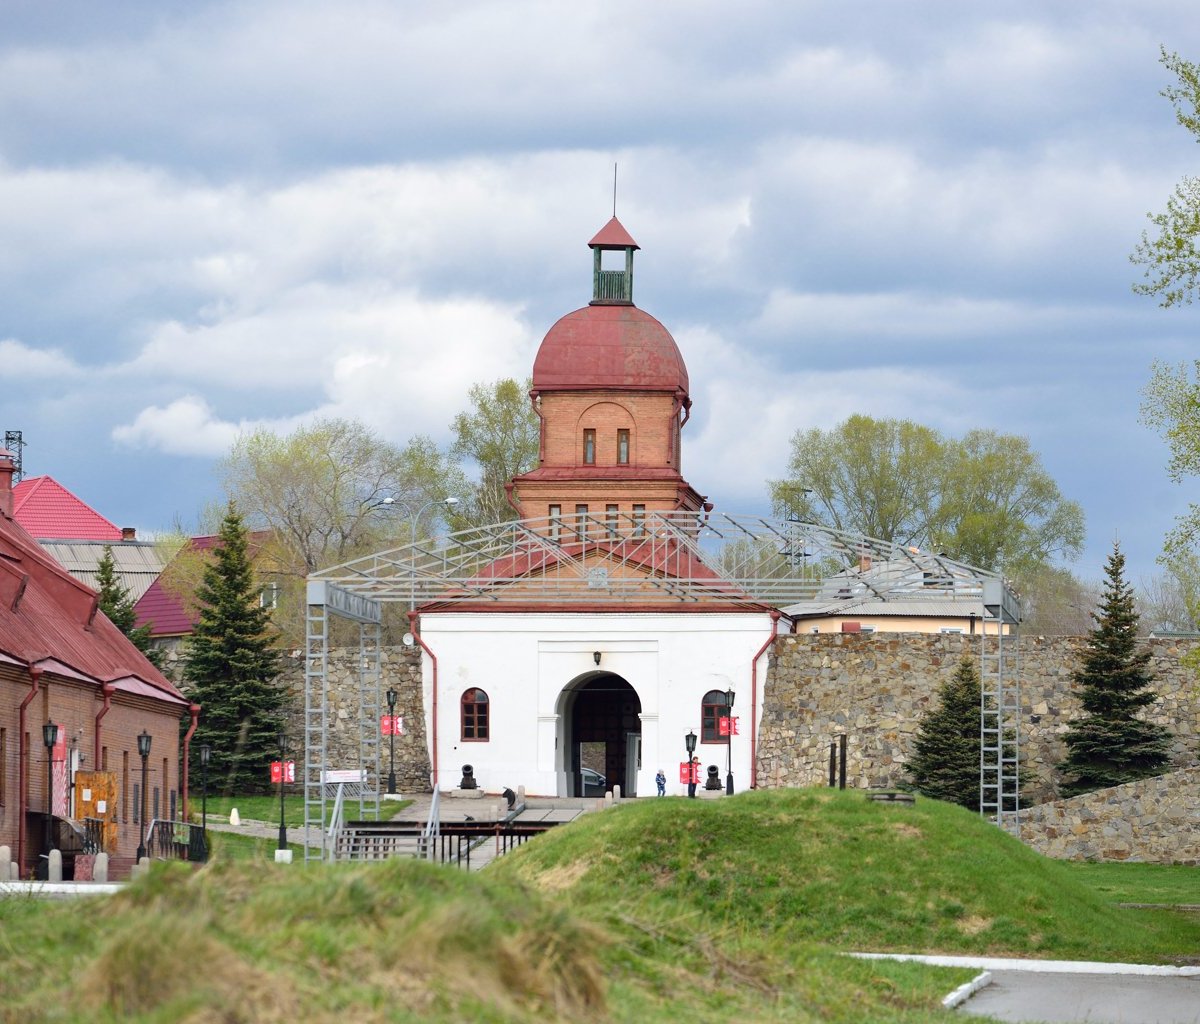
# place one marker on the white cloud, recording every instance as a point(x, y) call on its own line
point(185, 427)
point(20, 362)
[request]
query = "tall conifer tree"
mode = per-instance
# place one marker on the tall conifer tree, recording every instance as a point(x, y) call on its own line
point(946, 764)
point(232, 664)
point(115, 601)
point(1109, 745)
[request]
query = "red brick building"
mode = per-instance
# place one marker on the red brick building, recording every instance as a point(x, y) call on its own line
point(63, 662)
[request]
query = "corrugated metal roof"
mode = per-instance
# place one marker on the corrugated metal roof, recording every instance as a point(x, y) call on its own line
point(137, 563)
point(48, 510)
point(47, 617)
point(931, 607)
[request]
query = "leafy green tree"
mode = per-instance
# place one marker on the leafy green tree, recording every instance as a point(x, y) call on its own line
point(320, 491)
point(1109, 745)
point(985, 499)
point(231, 666)
point(115, 601)
point(946, 763)
point(500, 435)
point(1170, 259)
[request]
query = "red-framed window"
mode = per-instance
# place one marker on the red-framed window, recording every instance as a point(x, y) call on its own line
point(474, 715)
point(712, 708)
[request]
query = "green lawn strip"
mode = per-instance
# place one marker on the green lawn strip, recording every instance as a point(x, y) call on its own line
point(266, 808)
point(836, 868)
point(239, 847)
point(1164, 884)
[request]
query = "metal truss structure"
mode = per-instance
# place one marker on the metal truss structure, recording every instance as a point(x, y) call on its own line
point(651, 561)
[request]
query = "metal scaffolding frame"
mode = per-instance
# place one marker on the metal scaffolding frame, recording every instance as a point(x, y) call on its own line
point(648, 561)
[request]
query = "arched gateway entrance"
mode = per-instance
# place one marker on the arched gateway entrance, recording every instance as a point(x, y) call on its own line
point(601, 743)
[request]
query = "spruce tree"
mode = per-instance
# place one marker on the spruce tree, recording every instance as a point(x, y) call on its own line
point(115, 601)
point(231, 667)
point(946, 764)
point(1109, 745)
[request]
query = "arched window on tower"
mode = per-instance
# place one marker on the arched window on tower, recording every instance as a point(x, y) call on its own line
point(589, 447)
point(712, 709)
point(474, 715)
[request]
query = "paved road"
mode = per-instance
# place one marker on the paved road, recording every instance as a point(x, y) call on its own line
point(1029, 997)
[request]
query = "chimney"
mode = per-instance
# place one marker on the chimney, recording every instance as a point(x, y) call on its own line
point(6, 474)
point(864, 561)
point(128, 533)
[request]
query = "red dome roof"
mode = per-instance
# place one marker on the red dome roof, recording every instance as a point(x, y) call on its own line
point(609, 346)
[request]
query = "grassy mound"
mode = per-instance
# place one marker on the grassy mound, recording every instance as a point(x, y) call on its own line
point(398, 941)
point(835, 868)
point(658, 911)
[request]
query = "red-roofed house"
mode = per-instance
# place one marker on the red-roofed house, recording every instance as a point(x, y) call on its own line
point(47, 509)
point(167, 613)
point(63, 662)
point(75, 535)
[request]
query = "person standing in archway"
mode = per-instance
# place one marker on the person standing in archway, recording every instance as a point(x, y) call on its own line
point(660, 780)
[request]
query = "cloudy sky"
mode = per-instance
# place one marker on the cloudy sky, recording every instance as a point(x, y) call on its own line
point(223, 215)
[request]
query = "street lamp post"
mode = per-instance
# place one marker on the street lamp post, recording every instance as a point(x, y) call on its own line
point(412, 553)
point(205, 756)
point(729, 743)
point(49, 737)
point(143, 742)
point(391, 703)
point(689, 741)
point(282, 778)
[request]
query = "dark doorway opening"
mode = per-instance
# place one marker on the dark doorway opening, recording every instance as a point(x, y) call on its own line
point(605, 731)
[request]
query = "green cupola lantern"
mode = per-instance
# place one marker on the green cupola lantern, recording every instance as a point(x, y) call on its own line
point(612, 287)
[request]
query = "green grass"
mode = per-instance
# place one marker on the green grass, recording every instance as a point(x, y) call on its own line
point(231, 846)
point(1165, 884)
point(655, 911)
point(266, 808)
point(835, 868)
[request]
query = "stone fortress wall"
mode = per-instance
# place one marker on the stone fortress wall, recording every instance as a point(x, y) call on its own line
point(875, 689)
point(1155, 820)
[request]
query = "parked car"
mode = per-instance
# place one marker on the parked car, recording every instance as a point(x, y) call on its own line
point(594, 784)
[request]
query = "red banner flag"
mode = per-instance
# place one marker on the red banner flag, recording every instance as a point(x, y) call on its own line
point(284, 769)
point(727, 727)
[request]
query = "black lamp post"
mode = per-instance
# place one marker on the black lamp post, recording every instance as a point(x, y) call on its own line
point(143, 741)
point(729, 743)
point(391, 703)
point(690, 742)
point(282, 776)
point(205, 756)
point(49, 737)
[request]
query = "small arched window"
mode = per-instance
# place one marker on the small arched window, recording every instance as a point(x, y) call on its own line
point(474, 715)
point(712, 710)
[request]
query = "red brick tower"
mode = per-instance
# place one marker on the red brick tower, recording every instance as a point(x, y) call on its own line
point(612, 392)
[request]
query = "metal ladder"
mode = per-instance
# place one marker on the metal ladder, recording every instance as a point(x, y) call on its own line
point(1000, 710)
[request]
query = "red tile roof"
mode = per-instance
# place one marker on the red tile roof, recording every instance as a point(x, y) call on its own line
point(49, 619)
point(48, 510)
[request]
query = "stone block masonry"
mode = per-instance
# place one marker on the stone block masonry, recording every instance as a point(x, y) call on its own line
point(400, 669)
point(1155, 820)
point(877, 687)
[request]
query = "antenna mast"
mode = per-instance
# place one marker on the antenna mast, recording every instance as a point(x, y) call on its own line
point(14, 442)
